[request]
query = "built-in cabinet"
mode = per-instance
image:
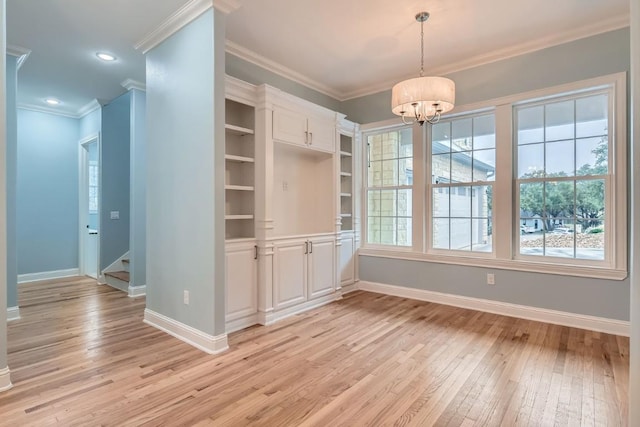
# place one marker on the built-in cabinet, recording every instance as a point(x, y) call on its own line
point(290, 198)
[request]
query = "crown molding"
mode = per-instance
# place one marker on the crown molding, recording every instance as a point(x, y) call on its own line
point(226, 6)
point(134, 84)
point(47, 110)
point(596, 28)
point(279, 69)
point(183, 16)
point(21, 53)
point(89, 108)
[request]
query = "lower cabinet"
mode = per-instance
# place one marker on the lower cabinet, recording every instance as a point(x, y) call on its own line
point(304, 269)
point(241, 281)
point(347, 259)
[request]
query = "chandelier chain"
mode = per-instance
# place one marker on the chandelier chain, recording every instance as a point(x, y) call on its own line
point(422, 48)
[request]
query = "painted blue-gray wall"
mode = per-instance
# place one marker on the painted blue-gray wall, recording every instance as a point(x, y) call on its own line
point(582, 59)
point(181, 177)
point(594, 56)
point(11, 176)
point(47, 192)
point(138, 196)
point(114, 154)
point(90, 125)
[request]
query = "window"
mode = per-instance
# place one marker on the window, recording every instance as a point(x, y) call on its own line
point(93, 187)
point(563, 176)
point(463, 165)
point(530, 182)
point(389, 187)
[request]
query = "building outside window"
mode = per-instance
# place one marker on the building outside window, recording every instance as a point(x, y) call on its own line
point(389, 187)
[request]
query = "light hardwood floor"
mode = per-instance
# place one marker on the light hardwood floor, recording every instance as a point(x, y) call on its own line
point(82, 356)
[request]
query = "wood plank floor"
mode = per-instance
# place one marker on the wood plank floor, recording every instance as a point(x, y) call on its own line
point(81, 355)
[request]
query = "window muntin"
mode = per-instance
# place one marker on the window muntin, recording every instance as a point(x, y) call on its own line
point(93, 186)
point(463, 164)
point(562, 177)
point(389, 187)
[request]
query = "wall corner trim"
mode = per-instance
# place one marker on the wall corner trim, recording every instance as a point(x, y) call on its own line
point(47, 275)
point(13, 313)
point(5, 379)
point(137, 291)
point(182, 17)
point(226, 6)
point(130, 84)
point(19, 52)
point(208, 343)
point(593, 323)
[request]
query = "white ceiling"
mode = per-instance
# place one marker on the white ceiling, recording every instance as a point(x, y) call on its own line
point(342, 48)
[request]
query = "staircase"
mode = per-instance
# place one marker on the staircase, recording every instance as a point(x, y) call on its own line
point(119, 279)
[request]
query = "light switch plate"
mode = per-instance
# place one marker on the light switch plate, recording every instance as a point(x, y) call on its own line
point(115, 214)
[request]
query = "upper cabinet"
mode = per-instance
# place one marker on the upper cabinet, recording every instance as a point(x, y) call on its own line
point(303, 128)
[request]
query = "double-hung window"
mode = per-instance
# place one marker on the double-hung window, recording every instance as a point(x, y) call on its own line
point(463, 168)
point(563, 176)
point(389, 187)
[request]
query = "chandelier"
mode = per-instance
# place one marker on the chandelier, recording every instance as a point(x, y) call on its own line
point(423, 99)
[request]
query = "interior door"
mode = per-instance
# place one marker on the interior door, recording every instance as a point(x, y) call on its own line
point(89, 201)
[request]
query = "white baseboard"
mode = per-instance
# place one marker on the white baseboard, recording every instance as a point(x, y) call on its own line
point(276, 315)
point(242, 323)
point(47, 275)
point(192, 336)
point(13, 313)
point(5, 379)
point(593, 323)
point(352, 287)
point(137, 291)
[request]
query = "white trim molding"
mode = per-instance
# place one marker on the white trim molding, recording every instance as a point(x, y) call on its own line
point(89, 108)
point(19, 52)
point(47, 275)
point(133, 84)
point(192, 336)
point(13, 313)
point(593, 323)
point(137, 291)
point(5, 379)
point(226, 6)
point(182, 17)
point(47, 110)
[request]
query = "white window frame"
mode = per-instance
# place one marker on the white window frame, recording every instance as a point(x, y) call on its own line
point(366, 132)
point(504, 208)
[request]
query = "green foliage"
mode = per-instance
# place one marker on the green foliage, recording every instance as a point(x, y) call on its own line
point(554, 199)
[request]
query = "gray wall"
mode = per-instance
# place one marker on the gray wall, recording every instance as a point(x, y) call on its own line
point(582, 59)
point(138, 196)
point(114, 234)
point(595, 56)
point(11, 174)
point(47, 192)
point(181, 187)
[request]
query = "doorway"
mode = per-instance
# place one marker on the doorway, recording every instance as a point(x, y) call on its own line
point(89, 214)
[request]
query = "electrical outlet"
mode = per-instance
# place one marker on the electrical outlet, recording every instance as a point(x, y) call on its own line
point(285, 186)
point(491, 279)
point(185, 297)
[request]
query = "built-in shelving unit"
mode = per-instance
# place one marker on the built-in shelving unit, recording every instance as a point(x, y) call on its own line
point(239, 170)
point(346, 181)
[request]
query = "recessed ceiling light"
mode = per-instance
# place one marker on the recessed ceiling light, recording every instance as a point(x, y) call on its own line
point(106, 56)
point(52, 101)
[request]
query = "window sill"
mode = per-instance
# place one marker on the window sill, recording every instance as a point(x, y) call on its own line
point(501, 264)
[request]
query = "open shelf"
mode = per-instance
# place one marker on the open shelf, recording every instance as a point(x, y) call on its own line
point(345, 215)
point(239, 159)
point(345, 154)
point(238, 187)
point(236, 217)
point(345, 194)
point(345, 174)
point(238, 130)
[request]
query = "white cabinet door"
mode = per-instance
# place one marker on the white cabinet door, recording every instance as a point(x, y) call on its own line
point(347, 261)
point(322, 135)
point(290, 273)
point(241, 281)
point(321, 267)
point(289, 126)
